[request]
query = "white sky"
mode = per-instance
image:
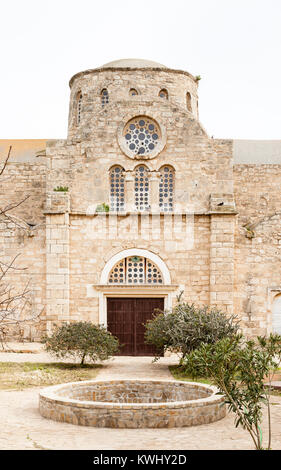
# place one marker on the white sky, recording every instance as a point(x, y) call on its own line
point(234, 45)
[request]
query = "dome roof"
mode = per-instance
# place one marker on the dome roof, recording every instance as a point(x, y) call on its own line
point(127, 64)
point(133, 63)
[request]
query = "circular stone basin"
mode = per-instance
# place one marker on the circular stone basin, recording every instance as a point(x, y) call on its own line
point(132, 404)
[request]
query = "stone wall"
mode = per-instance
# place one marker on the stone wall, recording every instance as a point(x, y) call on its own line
point(257, 244)
point(148, 84)
point(214, 255)
point(188, 266)
point(198, 404)
point(22, 231)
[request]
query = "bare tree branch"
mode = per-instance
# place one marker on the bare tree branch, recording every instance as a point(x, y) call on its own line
point(15, 306)
point(6, 161)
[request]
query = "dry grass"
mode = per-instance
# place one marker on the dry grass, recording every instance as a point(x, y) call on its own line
point(18, 376)
point(179, 374)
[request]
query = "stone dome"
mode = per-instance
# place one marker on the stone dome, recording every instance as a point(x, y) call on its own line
point(133, 63)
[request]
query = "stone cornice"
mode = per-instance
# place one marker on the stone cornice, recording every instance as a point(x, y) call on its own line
point(160, 288)
point(130, 69)
point(126, 214)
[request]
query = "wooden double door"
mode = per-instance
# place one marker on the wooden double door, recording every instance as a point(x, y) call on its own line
point(125, 320)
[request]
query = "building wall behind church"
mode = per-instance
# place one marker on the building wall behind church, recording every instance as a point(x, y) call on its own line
point(22, 233)
point(257, 244)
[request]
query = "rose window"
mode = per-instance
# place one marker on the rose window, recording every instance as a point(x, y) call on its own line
point(142, 135)
point(135, 270)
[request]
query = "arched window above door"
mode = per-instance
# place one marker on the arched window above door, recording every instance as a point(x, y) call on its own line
point(131, 252)
point(135, 270)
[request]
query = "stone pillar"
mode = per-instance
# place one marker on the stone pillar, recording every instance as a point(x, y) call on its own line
point(57, 267)
point(129, 191)
point(222, 261)
point(154, 191)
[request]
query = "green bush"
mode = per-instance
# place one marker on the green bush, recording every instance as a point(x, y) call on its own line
point(186, 327)
point(83, 340)
point(62, 189)
point(102, 207)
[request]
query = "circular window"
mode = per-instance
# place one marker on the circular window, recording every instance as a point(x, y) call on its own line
point(141, 138)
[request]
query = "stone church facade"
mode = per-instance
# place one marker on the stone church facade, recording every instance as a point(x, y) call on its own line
point(138, 205)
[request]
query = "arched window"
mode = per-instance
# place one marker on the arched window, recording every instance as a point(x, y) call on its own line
point(163, 94)
point(141, 188)
point(79, 107)
point(276, 315)
point(133, 92)
point(166, 188)
point(104, 97)
point(117, 189)
point(188, 101)
point(135, 270)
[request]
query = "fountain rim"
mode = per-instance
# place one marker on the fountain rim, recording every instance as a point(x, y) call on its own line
point(49, 393)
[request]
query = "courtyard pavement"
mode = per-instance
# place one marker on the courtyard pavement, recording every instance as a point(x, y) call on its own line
point(22, 427)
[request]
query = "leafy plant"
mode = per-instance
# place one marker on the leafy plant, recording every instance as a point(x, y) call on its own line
point(239, 368)
point(198, 78)
point(102, 207)
point(186, 327)
point(82, 340)
point(62, 189)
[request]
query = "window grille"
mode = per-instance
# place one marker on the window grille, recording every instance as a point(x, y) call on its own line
point(104, 97)
point(142, 135)
point(153, 275)
point(141, 189)
point(79, 107)
point(135, 270)
point(117, 274)
point(117, 189)
point(166, 189)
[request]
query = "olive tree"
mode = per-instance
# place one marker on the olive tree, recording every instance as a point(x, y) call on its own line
point(186, 326)
point(83, 340)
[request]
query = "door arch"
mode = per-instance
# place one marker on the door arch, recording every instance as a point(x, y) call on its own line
point(135, 252)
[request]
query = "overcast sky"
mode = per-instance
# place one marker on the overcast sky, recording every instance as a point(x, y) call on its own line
point(233, 44)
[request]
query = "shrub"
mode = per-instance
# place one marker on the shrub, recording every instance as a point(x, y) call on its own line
point(83, 340)
point(62, 189)
point(239, 368)
point(102, 207)
point(186, 327)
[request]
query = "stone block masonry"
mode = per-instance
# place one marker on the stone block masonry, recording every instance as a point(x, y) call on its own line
point(132, 404)
point(220, 244)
